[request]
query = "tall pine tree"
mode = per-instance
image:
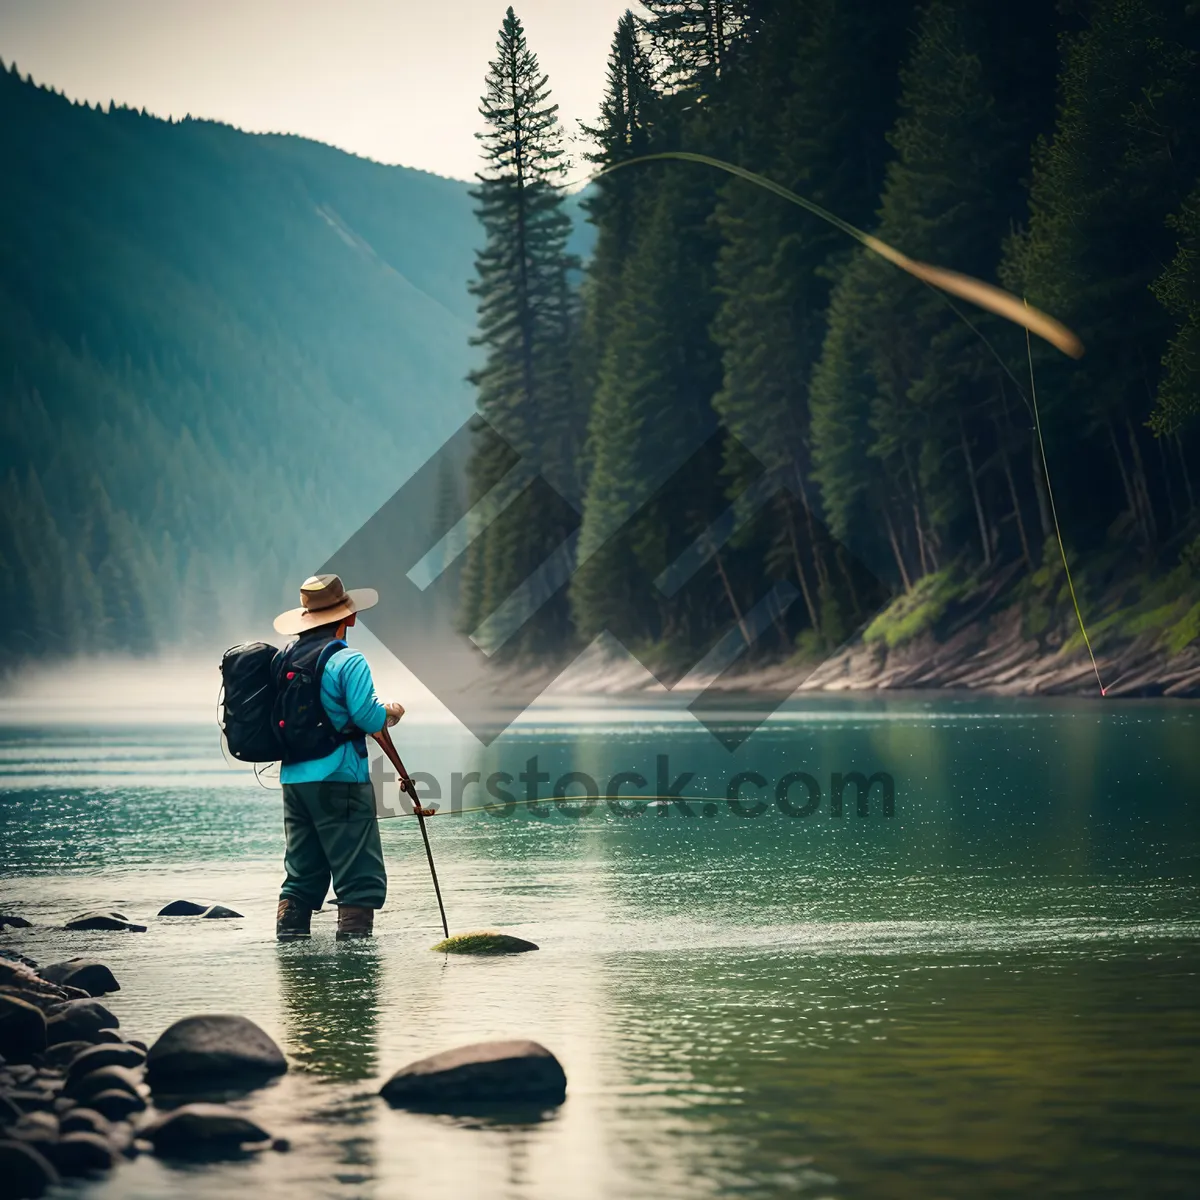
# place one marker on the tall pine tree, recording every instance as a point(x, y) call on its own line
point(526, 317)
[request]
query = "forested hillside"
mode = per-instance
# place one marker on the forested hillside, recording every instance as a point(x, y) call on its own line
point(1050, 148)
point(219, 353)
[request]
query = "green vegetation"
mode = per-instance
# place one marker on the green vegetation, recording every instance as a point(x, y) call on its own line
point(483, 942)
point(1050, 147)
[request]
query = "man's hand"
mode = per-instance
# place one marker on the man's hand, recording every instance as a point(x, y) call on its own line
point(394, 712)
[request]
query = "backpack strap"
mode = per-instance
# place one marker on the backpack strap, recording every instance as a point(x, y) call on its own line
point(350, 733)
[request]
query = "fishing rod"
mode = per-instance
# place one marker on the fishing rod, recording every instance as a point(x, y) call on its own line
point(508, 805)
point(384, 738)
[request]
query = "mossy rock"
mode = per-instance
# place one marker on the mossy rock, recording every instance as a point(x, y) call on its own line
point(484, 942)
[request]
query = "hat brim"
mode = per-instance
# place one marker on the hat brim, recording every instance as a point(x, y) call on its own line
point(297, 620)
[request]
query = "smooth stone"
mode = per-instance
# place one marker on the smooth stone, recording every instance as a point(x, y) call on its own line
point(23, 1030)
point(202, 1131)
point(483, 1073)
point(62, 1053)
point(110, 1037)
point(182, 908)
point(37, 1129)
point(484, 942)
point(81, 1153)
point(116, 1105)
point(83, 1087)
point(85, 1018)
point(198, 1051)
point(7, 919)
point(63, 1104)
point(10, 1114)
point(104, 920)
point(23, 1073)
point(120, 1138)
point(138, 1043)
point(90, 975)
point(26, 1173)
point(32, 1099)
point(219, 912)
point(35, 991)
point(86, 1119)
point(94, 1057)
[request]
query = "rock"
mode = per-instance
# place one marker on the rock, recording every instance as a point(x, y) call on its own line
point(213, 1048)
point(22, 1029)
point(116, 1105)
point(484, 942)
point(83, 1087)
point(108, 1036)
point(34, 991)
point(36, 1129)
point(62, 1053)
point(92, 1058)
point(485, 1073)
point(25, 1172)
point(32, 1099)
point(120, 1138)
point(203, 1131)
point(79, 1020)
point(182, 908)
point(219, 911)
point(10, 1114)
point(7, 919)
point(80, 1153)
point(88, 974)
point(14, 957)
point(104, 920)
point(63, 1104)
point(138, 1043)
point(86, 1119)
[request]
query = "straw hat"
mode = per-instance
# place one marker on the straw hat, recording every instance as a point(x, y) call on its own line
point(324, 601)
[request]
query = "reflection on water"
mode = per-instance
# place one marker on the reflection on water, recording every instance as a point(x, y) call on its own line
point(991, 993)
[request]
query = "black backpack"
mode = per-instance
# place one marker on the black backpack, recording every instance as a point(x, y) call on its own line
point(271, 709)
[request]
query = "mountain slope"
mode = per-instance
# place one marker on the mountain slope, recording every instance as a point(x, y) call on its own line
point(219, 353)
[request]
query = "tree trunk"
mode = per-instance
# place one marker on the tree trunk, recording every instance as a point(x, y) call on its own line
point(1039, 486)
point(904, 579)
point(984, 538)
point(1016, 503)
point(813, 617)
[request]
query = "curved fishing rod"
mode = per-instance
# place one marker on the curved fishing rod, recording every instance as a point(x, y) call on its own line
point(945, 283)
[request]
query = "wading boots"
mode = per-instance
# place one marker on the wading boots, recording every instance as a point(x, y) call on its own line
point(354, 922)
point(292, 920)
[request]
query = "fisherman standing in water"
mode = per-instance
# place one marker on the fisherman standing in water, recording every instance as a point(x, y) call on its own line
point(326, 707)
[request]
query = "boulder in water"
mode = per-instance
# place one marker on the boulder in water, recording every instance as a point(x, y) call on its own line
point(36, 1129)
point(484, 942)
point(79, 1020)
point(26, 1173)
point(212, 1049)
point(61, 1053)
point(92, 1058)
point(13, 957)
point(486, 1073)
point(204, 1131)
point(8, 920)
point(219, 912)
point(83, 1087)
point(182, 908)
point(116, 1104)
point(22, 1029)
point(82, 1119)
point(104, 920)
point(81, 1153)
point(88, 974)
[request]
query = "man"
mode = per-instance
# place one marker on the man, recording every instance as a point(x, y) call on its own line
point(328, 803)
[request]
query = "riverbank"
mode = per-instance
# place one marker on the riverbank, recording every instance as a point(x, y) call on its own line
point(1004, 636)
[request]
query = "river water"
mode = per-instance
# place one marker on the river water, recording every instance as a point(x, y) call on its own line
point(991, 991)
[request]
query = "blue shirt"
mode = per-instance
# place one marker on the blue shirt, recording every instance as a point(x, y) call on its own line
point(348, 697)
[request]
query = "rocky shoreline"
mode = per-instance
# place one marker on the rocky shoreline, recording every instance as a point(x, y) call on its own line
point(988, 656)
point(78, 1096)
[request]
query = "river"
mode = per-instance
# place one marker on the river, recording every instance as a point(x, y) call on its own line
point(990, 991)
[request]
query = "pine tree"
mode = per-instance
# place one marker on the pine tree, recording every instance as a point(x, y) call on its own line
point(526, 315)
point(694, 39)
point(920, 393)
point(1123, 156)
point(1178, 289)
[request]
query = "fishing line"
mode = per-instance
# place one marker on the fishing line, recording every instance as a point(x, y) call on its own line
point(1054, 515)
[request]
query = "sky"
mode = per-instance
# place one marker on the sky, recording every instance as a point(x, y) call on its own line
point(398, 81)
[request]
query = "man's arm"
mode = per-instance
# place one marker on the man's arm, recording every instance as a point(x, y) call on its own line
point(363, 706)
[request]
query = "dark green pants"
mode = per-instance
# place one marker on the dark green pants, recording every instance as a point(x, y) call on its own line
point(332, 833)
